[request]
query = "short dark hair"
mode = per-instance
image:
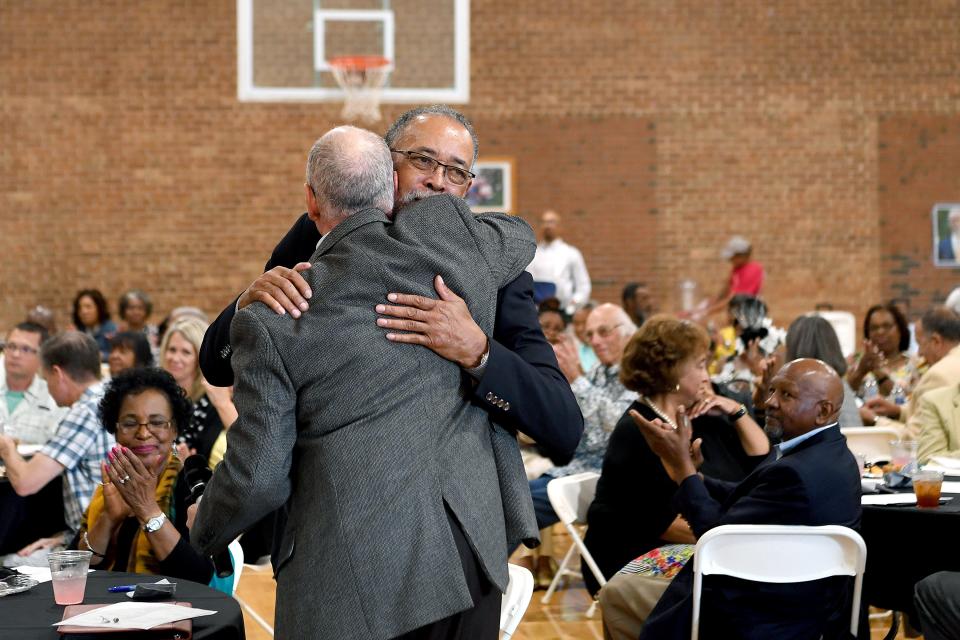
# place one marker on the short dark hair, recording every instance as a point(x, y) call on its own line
point(103, 314)
point(398, 127)
point(630, 289)
point(652, 356)
point(898, 318)
point(73, 351)
point(812, 336)
point(124, 301)
point(33, 327)
point(136, 381)
point(136, 342)
point(943, 321)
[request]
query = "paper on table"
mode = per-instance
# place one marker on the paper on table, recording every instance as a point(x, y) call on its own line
point(892, 498)
point(950, 463)
point(950, 487)
point(134, 615)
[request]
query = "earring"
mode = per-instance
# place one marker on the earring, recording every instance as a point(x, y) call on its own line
point(678, 387)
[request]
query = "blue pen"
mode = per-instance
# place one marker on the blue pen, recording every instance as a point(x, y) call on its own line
point(123, 588)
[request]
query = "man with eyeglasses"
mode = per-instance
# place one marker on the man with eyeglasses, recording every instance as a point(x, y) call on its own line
point(71, 367)
point(516, 376)
point(27, 413)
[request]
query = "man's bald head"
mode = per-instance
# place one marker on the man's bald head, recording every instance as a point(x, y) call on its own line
point(805, 394)
point(348, 170)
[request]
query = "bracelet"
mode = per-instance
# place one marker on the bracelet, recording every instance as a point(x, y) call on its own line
point(742, 411)
point(86, 541)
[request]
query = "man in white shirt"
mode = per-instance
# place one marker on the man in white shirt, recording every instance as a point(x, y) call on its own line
point(27, 412)
point(559, 263)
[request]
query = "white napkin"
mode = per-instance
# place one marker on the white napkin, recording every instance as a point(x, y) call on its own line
point(134, 615)
point(891, 498)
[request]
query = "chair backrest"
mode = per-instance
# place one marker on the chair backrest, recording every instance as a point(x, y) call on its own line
point(780, 554)
point(571, 496)
point(236, 553)
point(872, 442)
point(515, 599)
point(845, 324)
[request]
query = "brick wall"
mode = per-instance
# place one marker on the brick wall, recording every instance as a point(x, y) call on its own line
point(657, 130)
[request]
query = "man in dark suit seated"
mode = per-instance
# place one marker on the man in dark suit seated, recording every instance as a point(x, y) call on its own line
point(810, 478)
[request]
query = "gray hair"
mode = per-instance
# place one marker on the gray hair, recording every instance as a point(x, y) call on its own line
point(401, 124)
point(74, 352)
point(627, 328)
point(812, 336)
point(350, 169)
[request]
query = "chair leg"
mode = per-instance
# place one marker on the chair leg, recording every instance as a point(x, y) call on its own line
point(593, 608)
point(894, 626)
point(562, 571)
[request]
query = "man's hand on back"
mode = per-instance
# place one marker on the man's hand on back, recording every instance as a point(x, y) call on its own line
point(444, 326)
point(283, 290)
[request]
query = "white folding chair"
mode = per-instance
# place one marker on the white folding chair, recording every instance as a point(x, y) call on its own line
point(845, 324)
point(515, 600)
point(570, 498)
point(236, 553)
point(780, 554)
point(872, 442)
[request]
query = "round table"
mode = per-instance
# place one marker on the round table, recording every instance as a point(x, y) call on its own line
point(29, 615)
point(904, 545)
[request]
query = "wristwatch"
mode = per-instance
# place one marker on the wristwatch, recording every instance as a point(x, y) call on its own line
point(154, 523)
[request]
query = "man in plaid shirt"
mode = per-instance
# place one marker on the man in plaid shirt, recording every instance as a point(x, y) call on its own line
point(71, 367)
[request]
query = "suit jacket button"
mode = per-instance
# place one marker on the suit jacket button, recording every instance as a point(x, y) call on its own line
point(506, 406)
point(490, 397)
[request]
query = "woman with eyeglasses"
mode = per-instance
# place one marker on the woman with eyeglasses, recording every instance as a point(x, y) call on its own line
point(137, 519)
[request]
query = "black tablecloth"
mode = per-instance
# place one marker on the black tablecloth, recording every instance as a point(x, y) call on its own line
point(905, 545)
point(28, 615)
point(25, 519)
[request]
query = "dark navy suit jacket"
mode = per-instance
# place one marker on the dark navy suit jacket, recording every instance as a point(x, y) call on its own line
point(816, 483)
point(522, 368)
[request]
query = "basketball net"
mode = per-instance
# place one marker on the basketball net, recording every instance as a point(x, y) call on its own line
point(361, 78)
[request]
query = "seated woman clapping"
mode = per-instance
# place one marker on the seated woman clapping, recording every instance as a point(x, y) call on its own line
point(137, 519)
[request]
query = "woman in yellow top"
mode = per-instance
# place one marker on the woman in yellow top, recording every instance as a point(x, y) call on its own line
point(137, 519)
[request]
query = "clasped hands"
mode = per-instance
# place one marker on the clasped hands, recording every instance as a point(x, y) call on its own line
point(443, 325)
point(680, 457)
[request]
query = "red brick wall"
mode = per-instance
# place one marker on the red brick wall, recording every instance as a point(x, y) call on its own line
point(656, 129)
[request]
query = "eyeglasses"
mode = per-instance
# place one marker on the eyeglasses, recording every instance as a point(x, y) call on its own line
point(19, 348)
point(420, 162)
point(156, 426)
point(602, 332)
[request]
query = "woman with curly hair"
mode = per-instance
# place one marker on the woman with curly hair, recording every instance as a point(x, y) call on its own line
point(137, 519)
point(666, 363)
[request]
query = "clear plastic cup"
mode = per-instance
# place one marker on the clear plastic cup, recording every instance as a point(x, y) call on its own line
point(926, 486)
point(68, 569)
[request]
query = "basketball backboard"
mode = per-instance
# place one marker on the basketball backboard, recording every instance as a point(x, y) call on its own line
point(283, 48)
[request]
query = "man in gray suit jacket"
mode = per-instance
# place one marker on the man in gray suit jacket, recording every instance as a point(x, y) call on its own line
point(396, 510)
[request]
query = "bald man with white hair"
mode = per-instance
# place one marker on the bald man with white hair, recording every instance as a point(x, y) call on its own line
point(602, 398)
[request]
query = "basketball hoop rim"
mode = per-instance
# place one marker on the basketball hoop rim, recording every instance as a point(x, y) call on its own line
point(360, 63)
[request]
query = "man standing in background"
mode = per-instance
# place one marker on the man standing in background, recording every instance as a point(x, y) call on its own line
point(562, 265)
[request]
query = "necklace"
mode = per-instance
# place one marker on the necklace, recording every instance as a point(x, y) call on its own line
point(657, 410)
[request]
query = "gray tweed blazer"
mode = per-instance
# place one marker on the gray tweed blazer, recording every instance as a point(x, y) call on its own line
point(364, 439)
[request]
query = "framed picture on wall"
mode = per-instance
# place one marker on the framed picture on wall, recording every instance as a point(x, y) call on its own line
point(493, 188)
point(946, 234)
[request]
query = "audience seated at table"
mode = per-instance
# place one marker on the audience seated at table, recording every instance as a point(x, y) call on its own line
point(28, 413)
point(883, 367)
point(143, 408)
point(213, 408)
point(129, 349)
point(665, 362)
point(71, 366)
point(91, 316)
point(812, 336)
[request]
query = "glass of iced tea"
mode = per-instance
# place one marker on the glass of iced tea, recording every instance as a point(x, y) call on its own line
point(926, 486)
point(68, 570)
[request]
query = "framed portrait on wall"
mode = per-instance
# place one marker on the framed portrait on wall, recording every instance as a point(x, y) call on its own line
point(493, 188)
point(946, 234)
